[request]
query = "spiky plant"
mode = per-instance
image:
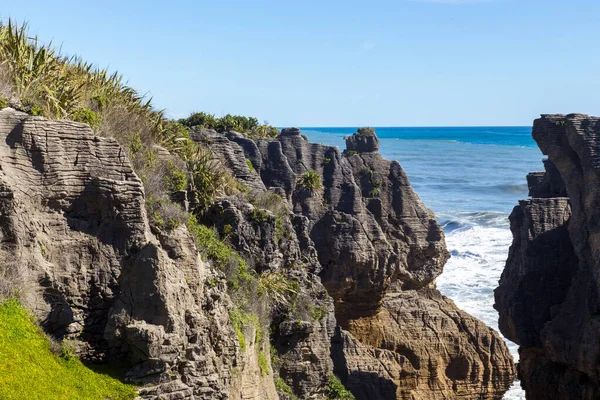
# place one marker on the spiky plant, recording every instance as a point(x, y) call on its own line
point(310, 180)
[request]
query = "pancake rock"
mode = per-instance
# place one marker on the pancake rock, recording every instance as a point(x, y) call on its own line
point(355, 243)
point(74, 228)
point(548, 297)
point(379, 251)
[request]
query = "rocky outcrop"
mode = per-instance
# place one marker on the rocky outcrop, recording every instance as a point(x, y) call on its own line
point(548, 293)
point(379, 251)
point(75, 228)
point(350, 261)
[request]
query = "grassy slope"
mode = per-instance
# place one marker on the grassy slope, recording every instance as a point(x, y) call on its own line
point(29, 370)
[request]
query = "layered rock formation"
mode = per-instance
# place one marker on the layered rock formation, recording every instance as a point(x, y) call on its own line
point(360, 247)
point(73, 226)
point(548, 296)
point(379, 251)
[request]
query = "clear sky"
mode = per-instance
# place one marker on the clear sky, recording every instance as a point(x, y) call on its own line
point(341, 63)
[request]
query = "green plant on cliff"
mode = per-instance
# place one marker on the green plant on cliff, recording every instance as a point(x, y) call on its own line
point(239, 275)
point(29, 369)
point(87, 116)
point(277, 288)
point(335, 389)
point(310, 180)
point(284, 388)
point(238, 123)
point(244, 322)
point(208, 176)
point(250, 166)
point(175, 178)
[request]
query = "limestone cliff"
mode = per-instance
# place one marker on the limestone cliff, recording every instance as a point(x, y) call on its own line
point(361, 248)
point(548, 296)
point(379, 251)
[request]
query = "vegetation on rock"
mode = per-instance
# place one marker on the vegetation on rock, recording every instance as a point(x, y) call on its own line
point(229, 122)
point(310, 180)
point(367, 131)
point(335, 389)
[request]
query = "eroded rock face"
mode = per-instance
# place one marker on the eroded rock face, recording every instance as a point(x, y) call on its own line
point(421, 346)
point(548, 293)
point(379, 251)
point(361, 249)
point(73, 225)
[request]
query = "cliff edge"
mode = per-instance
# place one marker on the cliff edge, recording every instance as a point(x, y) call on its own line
point(548, 296)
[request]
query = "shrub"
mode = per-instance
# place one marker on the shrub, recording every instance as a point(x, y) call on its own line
point(367, 131)
point(135, 143)
point(3, 102)
point(310, 180)
point(175, 178)
point(239, 276)
point(32, 108)
point(269, 201)
point(275, 360)
point(259, 215)
point(67, 350)
point(279, 229)
point(208, 177)
point(202, 119)
point(335, 389)
point(318, 312)
point(87, 116)
point(163, 213)
point(238, 123)
point(279, 290)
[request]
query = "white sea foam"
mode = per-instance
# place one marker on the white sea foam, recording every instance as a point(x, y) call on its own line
point(470, 276)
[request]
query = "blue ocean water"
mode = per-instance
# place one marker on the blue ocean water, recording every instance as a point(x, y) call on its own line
point(471, 177)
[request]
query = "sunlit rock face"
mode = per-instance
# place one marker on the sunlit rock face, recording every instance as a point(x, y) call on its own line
point(359, 244)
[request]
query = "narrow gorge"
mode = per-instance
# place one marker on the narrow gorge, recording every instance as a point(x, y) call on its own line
point(340, 253)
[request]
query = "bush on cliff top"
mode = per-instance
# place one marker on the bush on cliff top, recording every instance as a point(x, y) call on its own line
point(238, 123)
point(366, 130)
point(29, 370)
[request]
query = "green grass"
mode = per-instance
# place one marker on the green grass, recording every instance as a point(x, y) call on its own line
point(29, 370)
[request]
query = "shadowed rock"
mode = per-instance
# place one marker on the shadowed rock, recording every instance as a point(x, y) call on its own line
point(548, 296)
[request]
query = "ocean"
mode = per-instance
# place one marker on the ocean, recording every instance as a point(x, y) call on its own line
point(471, 177)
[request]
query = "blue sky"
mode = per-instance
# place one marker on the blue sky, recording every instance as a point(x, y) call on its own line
point(341, 63)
